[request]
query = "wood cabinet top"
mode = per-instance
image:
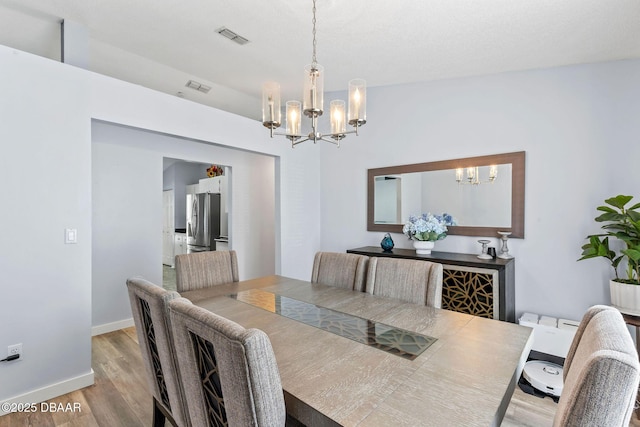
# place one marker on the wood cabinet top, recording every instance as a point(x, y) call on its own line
point(453, 258)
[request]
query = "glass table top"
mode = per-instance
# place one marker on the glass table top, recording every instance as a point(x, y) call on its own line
point(400, 342)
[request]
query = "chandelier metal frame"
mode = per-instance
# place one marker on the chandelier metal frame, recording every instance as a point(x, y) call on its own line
point(312, 106)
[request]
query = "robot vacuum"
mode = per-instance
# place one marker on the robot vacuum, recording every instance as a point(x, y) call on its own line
point(544, 376)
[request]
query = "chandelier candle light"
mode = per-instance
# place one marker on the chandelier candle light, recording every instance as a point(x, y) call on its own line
point(313, 104)
point(473, 175)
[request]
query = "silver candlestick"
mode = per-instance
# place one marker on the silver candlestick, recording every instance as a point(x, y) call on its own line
point(484, 254)
point(504, 250)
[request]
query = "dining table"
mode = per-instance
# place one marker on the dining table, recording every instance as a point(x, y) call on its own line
point(349, 358)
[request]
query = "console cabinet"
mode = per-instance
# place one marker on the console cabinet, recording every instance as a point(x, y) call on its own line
point(484, 288)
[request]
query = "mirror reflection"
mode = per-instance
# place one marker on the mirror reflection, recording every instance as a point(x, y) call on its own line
point(478, 196)
point(484, 194)
point(388, 203)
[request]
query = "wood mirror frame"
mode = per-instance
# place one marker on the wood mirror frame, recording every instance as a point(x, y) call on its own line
point(517, 161)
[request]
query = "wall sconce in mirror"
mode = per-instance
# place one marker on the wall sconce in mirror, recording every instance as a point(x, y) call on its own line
point(395, 192)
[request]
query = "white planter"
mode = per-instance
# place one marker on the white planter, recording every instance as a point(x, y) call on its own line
point(625, 297)
point(423, 247)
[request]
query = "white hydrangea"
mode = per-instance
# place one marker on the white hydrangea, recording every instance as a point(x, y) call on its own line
point(428, 226)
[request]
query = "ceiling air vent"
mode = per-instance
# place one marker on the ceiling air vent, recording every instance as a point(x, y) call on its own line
point(232, 36)
point(198, 86)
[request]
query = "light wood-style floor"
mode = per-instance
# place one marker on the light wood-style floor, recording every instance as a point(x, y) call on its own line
point(119, 396)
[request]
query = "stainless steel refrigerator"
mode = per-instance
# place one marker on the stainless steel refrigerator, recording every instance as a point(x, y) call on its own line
point(203, 221)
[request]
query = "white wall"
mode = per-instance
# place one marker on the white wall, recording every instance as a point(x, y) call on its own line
point(45, 168)
point(274, 196)
point(127, 214)
point(176, 178)
point(297, 179)
point(129, 209)
point(579, 127)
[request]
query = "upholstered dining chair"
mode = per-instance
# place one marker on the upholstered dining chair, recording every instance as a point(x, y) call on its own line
point(340, 269)
point(577, 337)
point(203, 269)
point(229, 373)
point(601, 373)
point(149, 305)
point(414, 281)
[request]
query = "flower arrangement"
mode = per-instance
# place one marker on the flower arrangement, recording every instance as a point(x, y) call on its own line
point(215, 170)
point(428, 227)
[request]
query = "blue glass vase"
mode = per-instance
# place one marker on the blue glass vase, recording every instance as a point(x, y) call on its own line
point(387, 243)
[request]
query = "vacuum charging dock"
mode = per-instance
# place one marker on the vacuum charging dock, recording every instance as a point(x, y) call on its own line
point(543, 373)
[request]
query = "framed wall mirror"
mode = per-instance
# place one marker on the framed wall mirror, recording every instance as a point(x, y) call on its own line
point(484, 194)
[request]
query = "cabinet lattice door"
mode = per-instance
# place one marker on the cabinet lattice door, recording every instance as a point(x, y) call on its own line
point(470, 290)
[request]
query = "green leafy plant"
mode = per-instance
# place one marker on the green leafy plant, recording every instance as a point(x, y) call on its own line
point(623, 224)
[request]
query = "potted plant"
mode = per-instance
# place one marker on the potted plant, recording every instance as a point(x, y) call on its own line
point(621, 223)
point(426, 229)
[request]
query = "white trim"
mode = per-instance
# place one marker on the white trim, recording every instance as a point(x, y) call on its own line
point(49, 392)
point(110, 327)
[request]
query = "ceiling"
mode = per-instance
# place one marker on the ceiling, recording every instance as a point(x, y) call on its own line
point(162, 44)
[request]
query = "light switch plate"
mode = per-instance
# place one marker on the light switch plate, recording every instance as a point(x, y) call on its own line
point(70, 235)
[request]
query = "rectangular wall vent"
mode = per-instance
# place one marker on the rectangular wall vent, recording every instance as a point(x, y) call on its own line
point(225, 32)
point(198, 86)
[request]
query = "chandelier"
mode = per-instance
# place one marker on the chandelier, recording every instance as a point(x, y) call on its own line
point(313, 104)
point(473, 175)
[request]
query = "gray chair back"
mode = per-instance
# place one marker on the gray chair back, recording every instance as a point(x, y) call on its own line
point(203, 269)
point(229, 373)
point(150, 309)
point(601, 378)
point(414, 281)
point(592, 311)
point(340, 269)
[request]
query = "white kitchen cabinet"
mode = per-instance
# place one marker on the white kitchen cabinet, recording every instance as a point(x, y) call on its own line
point(180, 245)
point(217, 184)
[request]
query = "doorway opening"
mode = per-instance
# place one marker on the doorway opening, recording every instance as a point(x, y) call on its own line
point(196, 211)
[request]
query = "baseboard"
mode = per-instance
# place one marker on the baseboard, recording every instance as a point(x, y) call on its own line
point(110, 327)
point(49, 392)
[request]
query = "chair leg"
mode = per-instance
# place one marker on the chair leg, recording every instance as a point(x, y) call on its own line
point(158, 414)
